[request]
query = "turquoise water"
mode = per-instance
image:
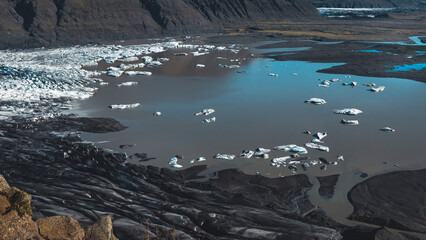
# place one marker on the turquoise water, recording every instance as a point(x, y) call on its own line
point(370, 51)
point(407, 67)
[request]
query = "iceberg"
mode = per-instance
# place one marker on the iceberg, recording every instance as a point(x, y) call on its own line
point(348, 111)
point(154, 64)
point(291, 148)
point(280, 160)
point(378, 89)
point(262, 150)
point(316, 101)
point(229, 66)
point(318, 147)
point(131, 66)
point(246, 154)
point(349, 122)
point(157, 114)
point(224, 156)
point(209, 120)
point(124, 106)
point(273, 75)
point(388, 129)
point(320, 135)
point(129, 59)
point(147, 59)
point(132, 73)
point(126, 84)
point(114, 72)
point(200, 66)
point(205, 112)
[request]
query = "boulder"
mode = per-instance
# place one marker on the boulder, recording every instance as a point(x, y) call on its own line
point(12, 227)
point(3, 183)
point(102, 229)
point(60, 227)
point(19, 201)
point(4, 205)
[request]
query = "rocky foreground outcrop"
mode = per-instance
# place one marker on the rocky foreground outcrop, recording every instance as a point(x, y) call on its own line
point(32, 23)
point(16, 221)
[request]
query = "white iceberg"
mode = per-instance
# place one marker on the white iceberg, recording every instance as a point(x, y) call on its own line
point(280, 160)
point(195, 54)
point(318, 147)
point(129, 59)
point(349, 122)
point(353, 84)
point(163, 59)
point(201, 159)
point(316, 101)
point(273, 75)
point(315, 140)
point(132, 73)
point(229, 66)
point(114, 72)
point(246, 154)
point(131, 66)
point(126, 84)
point(369, 84)
point(205, 112)
point(291, 148)
point(224, 156)
point(388, 129)
point(209, 120)
point(200, 66)
point(154, 64)
point(348, 111)
point(320, 135)
point(177, 166)
point(181, 54)
point(157, 114)
point(147, 59)
point(378, 89)
point(262, 150)
point(124, 106)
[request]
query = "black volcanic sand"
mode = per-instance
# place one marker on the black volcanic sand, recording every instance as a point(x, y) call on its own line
point(328, 183)
point(66, 176)
point(396, 200)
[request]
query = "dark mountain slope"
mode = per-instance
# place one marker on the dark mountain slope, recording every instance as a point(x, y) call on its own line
point(31, 23)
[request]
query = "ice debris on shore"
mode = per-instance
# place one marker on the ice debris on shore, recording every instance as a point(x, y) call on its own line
point(124, 106)
point(316, 101)
point(348, 111)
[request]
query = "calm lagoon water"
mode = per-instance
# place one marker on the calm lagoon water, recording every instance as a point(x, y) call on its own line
point(256, 110)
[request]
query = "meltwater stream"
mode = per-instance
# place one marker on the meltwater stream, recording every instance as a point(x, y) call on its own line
point(254, 109)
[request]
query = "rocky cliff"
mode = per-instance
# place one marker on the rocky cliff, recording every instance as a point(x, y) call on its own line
point(32, 23)
point(368, 3)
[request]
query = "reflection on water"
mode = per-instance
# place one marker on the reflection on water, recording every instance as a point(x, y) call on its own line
point(255, 110)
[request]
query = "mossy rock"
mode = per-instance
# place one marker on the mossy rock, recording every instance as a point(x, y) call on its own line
point(19, 201)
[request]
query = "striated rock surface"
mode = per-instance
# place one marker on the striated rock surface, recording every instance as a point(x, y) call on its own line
point(395, 200)
point(32, 23)
point(60, 227)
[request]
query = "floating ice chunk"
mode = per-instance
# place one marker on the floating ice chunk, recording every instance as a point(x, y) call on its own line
point(201, 159)
point(378, 89)
point(388, 129)
point(221, 58)
point(315, 140)
point(177, 166)
point(262, 150)
point(103, 83)
point(181, 54)
point(349, 122)
point(229, 66)
point(131, 66)
point(209, 120)
point(320, 135)
point(173, 160)
point(124, 106)
point(348, 111)
point(153, 64)
point(163, 59)
point(273, 75)
point(200, 66)
point(157, 114)
point(369, 84)
point(147, 59)
point(294, 74)
point(246, 154)
point(333, 163)
point(314, 162)
point(220, 48)
point(195, 54)
point(291, 148)
point(129, 59)
point(114, 72)
point(318, 147)
point(340, 158)
point(294, 162)
point(280, 160)
point(261, 155)
point(316, 101)
point(323, 85)
point(132, 73)
point(126, 84)
point(224, 156)
point(353, 84)
point(335, 80)
point(205, 112)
